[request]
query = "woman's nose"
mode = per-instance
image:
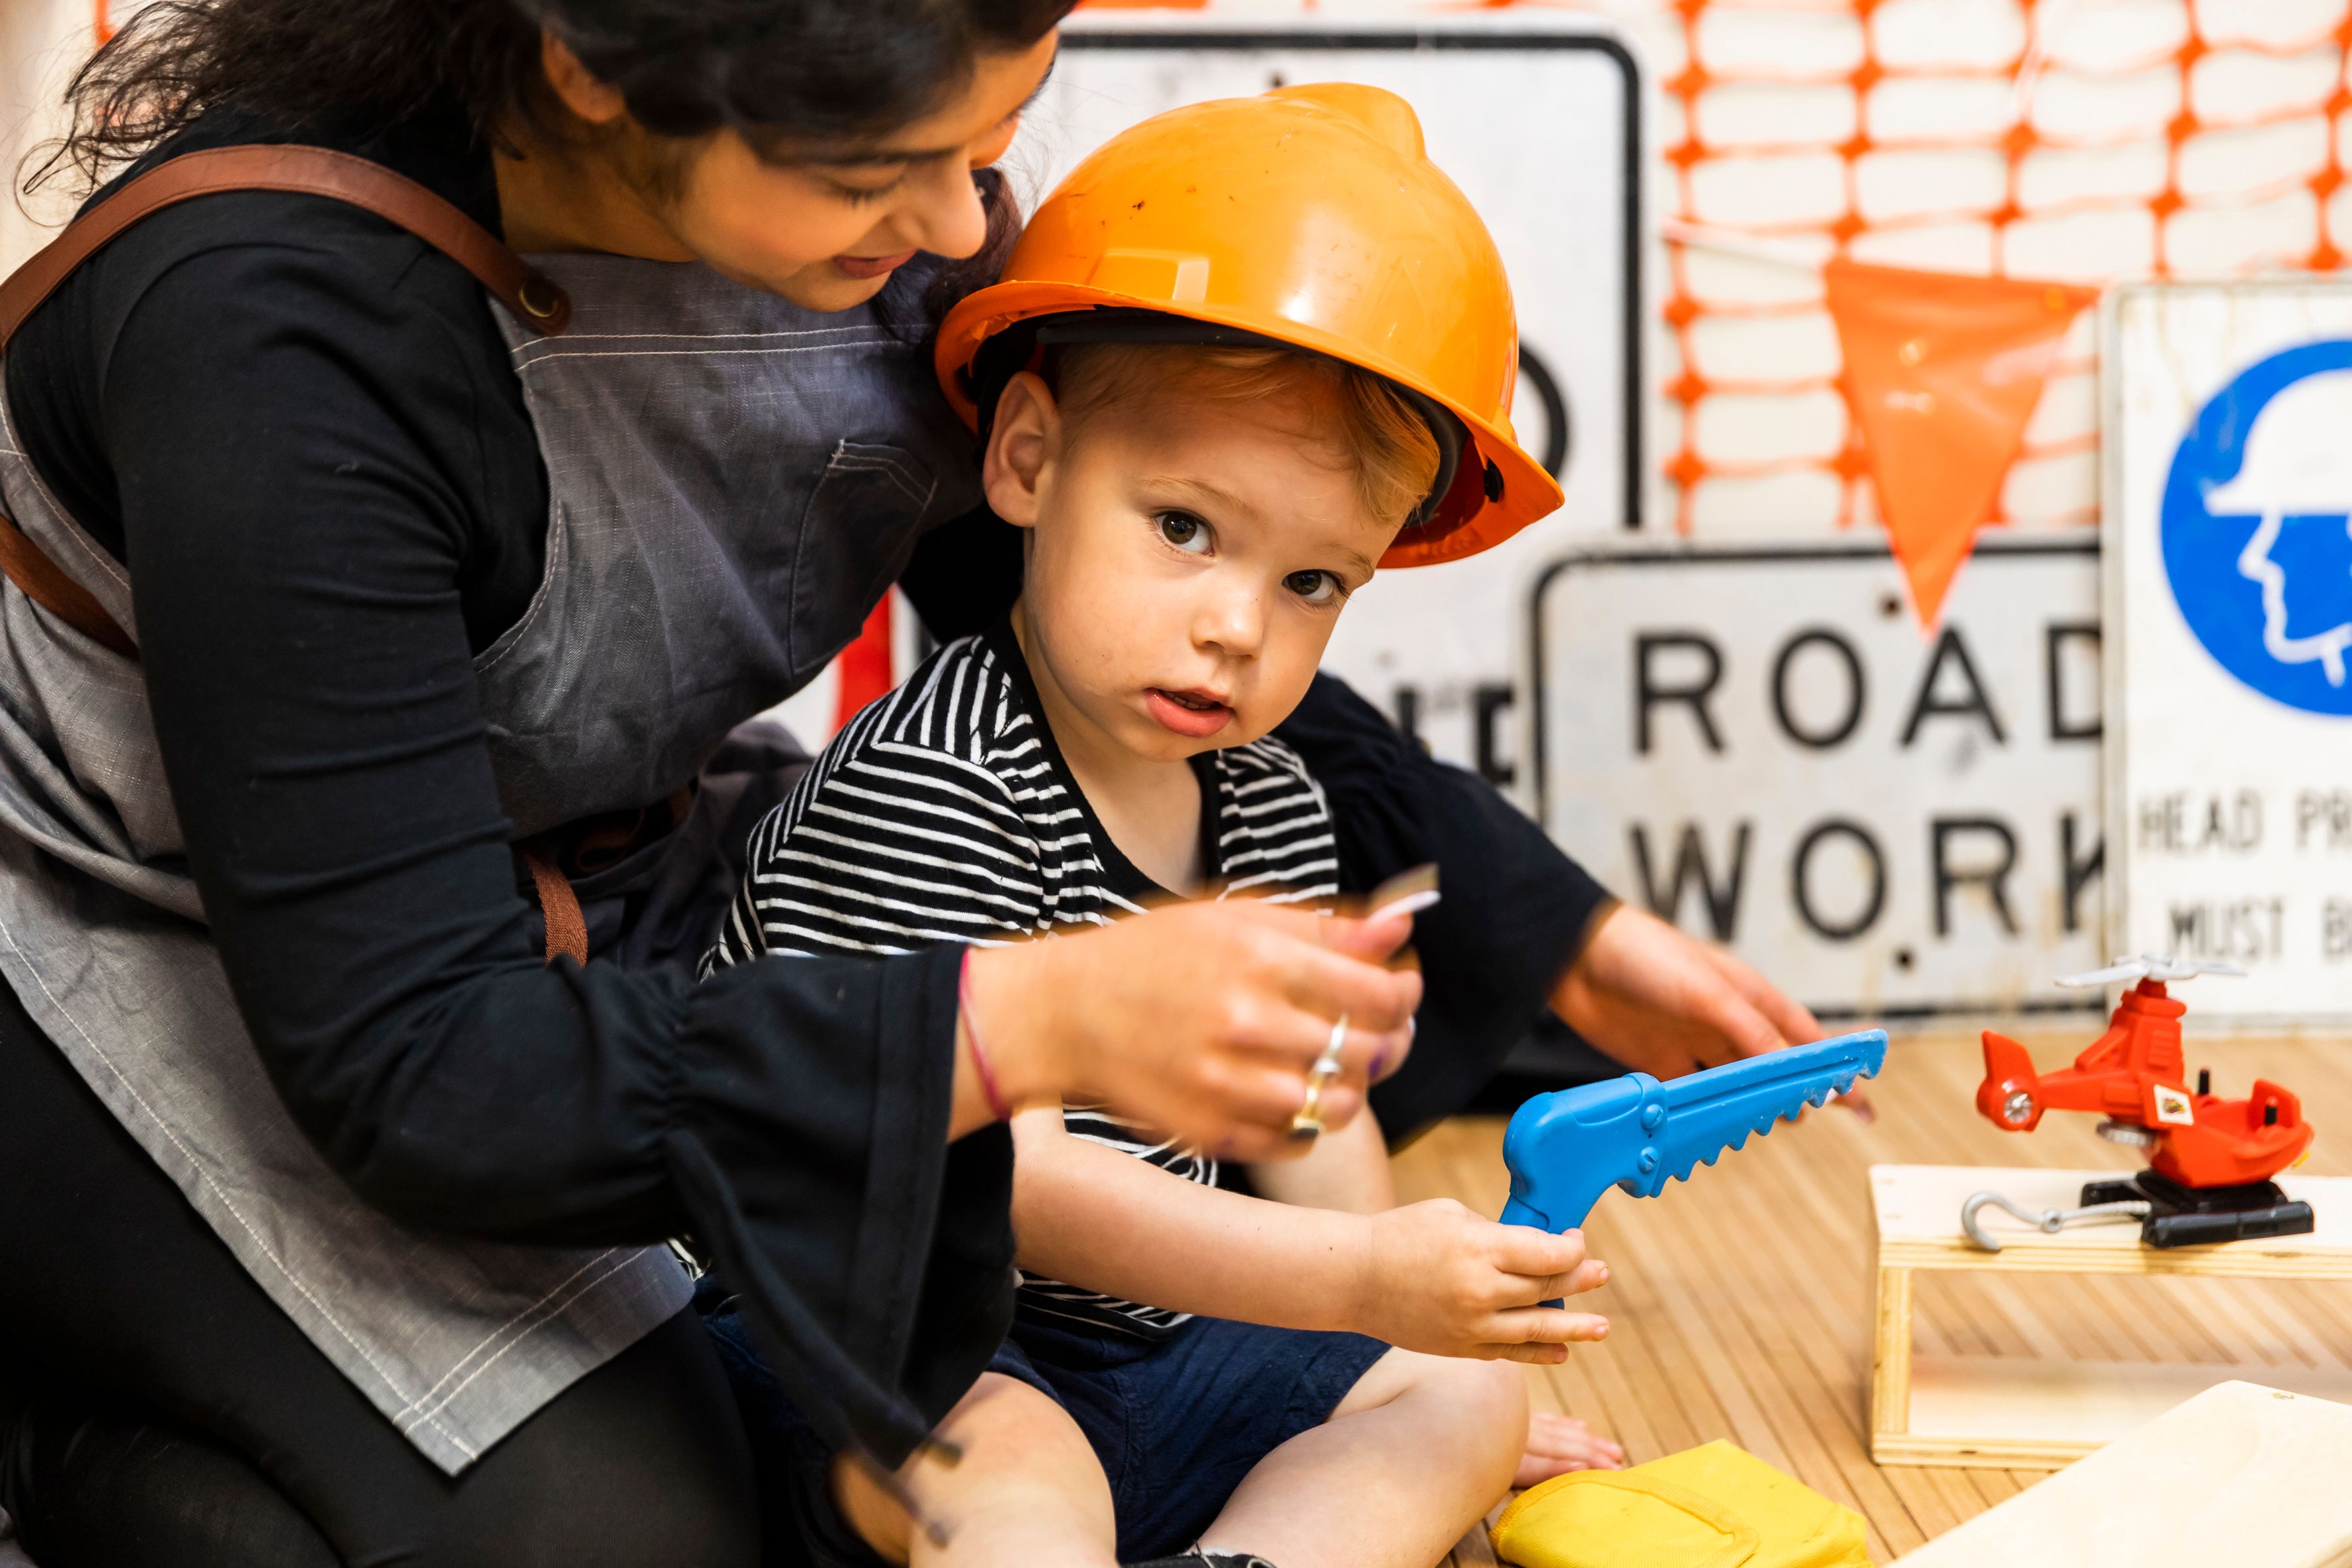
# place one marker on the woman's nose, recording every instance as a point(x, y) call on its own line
point(946, 217)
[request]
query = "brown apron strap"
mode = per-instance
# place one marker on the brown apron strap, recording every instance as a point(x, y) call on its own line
point(24, 565)
point(567, 927)
point(312, 170)
point(534, 300)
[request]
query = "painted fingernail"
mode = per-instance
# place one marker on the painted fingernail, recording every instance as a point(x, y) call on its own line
point(1379, 1064)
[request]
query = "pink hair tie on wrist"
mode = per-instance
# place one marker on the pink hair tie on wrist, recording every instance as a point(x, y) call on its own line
point(987, 1075)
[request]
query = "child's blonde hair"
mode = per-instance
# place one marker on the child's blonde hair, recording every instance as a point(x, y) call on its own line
point(1395, 455)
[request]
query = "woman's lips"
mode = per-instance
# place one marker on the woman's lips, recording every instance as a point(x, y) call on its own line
point(1195, 714)
point(873, 266)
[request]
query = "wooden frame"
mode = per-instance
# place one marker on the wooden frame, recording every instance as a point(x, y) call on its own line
point(2017, 1412)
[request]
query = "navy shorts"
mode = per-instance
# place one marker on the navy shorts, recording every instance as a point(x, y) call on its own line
point(1178, 1422)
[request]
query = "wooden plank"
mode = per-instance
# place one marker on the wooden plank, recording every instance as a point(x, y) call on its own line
point(1890, 1361)
point(1918, 1212)
point(2240, 1475)
point(1997, 1412)
point(2008, 1411)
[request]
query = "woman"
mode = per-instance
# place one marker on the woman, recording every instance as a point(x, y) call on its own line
point(328, 1190)
point(402, 585)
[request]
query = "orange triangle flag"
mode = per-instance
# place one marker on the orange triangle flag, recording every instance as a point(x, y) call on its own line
point(1942, 371)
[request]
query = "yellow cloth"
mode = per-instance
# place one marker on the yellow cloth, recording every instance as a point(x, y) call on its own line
point(1709, 1507)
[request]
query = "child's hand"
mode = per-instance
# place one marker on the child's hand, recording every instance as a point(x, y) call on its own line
point(1441, 1279)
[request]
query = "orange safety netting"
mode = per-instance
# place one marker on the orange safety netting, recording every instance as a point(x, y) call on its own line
point(2200, 46)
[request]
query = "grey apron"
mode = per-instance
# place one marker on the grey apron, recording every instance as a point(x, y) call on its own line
point(733, 482)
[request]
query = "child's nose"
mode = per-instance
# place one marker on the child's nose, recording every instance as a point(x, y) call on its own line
point(1233, 621)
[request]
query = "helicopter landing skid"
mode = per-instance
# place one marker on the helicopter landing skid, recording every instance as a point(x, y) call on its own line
point(2179, 1215)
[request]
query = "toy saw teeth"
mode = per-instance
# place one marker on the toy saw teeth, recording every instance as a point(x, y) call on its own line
point(2209, 1176)
point(1564, 1149)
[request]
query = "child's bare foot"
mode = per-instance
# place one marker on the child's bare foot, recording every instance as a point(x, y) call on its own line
point(1558, 1444)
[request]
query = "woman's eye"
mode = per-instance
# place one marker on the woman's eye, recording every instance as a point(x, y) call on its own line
point(1315, 587)
point(1185, 532)
point(858, 195)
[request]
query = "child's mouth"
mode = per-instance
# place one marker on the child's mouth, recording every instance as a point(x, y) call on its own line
point(1195, 714)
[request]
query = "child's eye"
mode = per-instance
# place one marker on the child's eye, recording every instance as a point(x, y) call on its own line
point(1315, 587)
point(1185, 531)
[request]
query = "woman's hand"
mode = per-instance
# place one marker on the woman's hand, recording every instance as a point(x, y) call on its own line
point(1201, 1020)
point(1664, 1003)
point(1441, 1280)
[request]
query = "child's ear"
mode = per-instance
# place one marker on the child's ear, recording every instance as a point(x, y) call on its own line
point(1020, 445)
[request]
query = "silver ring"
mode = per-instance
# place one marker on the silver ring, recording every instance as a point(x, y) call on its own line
point(1327, 1066)
point(1307, 1125)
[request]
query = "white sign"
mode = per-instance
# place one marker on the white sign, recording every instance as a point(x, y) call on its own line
point(1540, 121)
point(1762, 746)
point(2228, 434)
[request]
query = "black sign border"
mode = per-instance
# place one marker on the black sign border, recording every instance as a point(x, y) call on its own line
point(1635, 390)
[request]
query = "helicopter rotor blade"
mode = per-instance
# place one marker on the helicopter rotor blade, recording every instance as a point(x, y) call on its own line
point(2121, 970)
point(2150, 966)
point(2189, 968)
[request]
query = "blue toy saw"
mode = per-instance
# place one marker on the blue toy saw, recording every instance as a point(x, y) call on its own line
point(1565, 1150)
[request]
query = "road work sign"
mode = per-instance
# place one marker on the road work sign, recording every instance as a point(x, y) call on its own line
point(1539, 119)
point(1762, 746)
point(2228, 438)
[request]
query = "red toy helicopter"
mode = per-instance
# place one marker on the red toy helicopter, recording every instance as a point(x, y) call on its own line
point(2210, 1177)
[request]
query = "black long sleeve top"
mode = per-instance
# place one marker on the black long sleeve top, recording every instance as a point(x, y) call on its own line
point(298, 428)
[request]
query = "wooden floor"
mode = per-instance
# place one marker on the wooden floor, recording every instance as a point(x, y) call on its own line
point(1739, 1302)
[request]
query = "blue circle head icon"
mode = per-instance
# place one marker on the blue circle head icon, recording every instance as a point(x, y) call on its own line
point(2257, 527)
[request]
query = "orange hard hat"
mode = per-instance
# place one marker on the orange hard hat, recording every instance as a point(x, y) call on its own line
point(1309, 217)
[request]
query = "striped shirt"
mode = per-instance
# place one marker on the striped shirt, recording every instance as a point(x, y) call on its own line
point(944, 813)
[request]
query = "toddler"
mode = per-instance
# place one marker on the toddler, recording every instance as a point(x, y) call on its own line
point(1192, 1370)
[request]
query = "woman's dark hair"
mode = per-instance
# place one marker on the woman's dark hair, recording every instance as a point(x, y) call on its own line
point(804, 73)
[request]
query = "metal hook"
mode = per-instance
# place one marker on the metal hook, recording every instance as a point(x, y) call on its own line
point(2050, 1222)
